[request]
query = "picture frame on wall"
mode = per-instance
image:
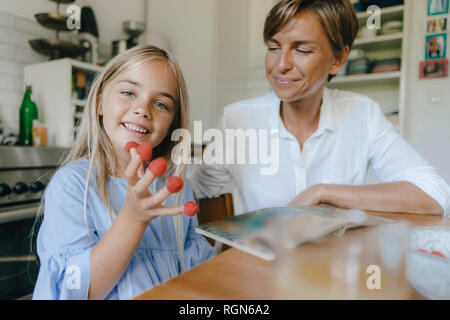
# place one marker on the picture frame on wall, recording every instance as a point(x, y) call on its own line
point(436, 7)
point(437, 25)
point(436, 46)
point(432, 69)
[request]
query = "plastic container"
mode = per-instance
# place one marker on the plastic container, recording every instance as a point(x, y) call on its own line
point(427, 273)
point(39, 134)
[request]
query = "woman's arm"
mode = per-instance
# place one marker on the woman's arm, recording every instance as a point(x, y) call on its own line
point(385, 197)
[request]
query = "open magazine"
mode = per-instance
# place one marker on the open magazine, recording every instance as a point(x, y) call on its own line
point(260, 232)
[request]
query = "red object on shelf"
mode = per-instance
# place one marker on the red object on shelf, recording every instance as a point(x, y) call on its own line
point(145, 151)
point(174, 184)
point(130, 145)
point(158, 167)
point(190, 208)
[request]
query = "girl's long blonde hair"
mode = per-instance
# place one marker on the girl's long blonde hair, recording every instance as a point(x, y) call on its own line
point(93, 143)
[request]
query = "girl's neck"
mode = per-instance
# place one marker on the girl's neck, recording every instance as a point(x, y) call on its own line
point(122, 162)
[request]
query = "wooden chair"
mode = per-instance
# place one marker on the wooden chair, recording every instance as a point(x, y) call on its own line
point(215, 209)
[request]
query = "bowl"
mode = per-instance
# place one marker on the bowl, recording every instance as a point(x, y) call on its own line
point(429, 274)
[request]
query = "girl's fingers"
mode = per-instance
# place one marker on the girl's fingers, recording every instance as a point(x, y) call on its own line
point(144, 182)
point(141, 171)
point(155, 200)
point(167, 211)
point(132, 168)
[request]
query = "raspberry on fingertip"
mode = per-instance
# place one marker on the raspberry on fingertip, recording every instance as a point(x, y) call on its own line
point(190, 208)
point(174, 184)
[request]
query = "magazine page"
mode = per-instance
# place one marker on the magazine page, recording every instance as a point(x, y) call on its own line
point(258, 232)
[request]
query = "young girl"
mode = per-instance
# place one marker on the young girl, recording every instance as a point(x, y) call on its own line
point(105, 232)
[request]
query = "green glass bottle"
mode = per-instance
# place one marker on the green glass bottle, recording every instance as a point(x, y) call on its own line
point(28, 113)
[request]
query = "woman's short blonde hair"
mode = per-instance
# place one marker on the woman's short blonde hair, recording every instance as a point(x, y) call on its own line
point(337, 17)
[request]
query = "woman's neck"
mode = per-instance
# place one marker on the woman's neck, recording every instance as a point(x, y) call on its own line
point(301, 117)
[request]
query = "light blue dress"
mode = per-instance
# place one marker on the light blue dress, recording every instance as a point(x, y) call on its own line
point(65, 239)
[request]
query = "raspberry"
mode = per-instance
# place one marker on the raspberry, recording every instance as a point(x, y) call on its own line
point(438, 254)
point(174, 184)
point(145, 152)
point(158, 166)
point(130, 145)
point(190, 209)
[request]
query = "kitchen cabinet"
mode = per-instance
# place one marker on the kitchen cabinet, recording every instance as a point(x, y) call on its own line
point(60, 99)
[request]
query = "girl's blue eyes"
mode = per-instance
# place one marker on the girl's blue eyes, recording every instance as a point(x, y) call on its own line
point(130, 94)
point(161, 105)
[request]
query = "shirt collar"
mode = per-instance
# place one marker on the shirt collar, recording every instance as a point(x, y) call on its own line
point(326, 121)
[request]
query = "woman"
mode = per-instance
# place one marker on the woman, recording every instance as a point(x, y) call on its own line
point(327, 138)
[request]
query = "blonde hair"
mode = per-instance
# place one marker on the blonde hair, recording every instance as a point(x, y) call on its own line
point(93, 143)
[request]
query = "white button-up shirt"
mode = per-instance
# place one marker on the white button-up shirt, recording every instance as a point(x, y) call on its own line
point(352, 135)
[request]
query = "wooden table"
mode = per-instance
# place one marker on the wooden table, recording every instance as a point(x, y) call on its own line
point(335, 268)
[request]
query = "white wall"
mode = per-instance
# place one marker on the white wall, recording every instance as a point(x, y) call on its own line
point(219, 46)
point(190, 28)
point(426, 124)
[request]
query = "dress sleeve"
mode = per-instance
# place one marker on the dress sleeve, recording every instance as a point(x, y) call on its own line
point(393, 159)
point(64, 241)
point(197, 249)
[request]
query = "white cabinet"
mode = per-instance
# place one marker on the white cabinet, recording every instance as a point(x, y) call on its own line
point(59, 109)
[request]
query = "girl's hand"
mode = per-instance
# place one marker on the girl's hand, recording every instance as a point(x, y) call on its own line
point(310, 197)
point(140, 204)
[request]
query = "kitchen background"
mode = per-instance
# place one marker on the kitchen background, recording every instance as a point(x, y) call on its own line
point(219, 46)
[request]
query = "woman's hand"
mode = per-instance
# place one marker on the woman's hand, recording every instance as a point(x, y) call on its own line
point(310, 197)
point(140, 205)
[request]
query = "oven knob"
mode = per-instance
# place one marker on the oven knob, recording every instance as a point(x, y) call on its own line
point(5, 190)
point(20, 188)
point(36, 186)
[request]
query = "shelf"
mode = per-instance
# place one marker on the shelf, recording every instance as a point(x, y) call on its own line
point(89, 67)
point(384, 76)
point(379, 41)
point(388, 13)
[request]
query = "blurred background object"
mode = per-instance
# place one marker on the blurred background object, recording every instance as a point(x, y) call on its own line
point(88, 35)
point(133, 29)
point(56, 48)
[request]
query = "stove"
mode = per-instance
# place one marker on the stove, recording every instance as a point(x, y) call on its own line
point(24, 174)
